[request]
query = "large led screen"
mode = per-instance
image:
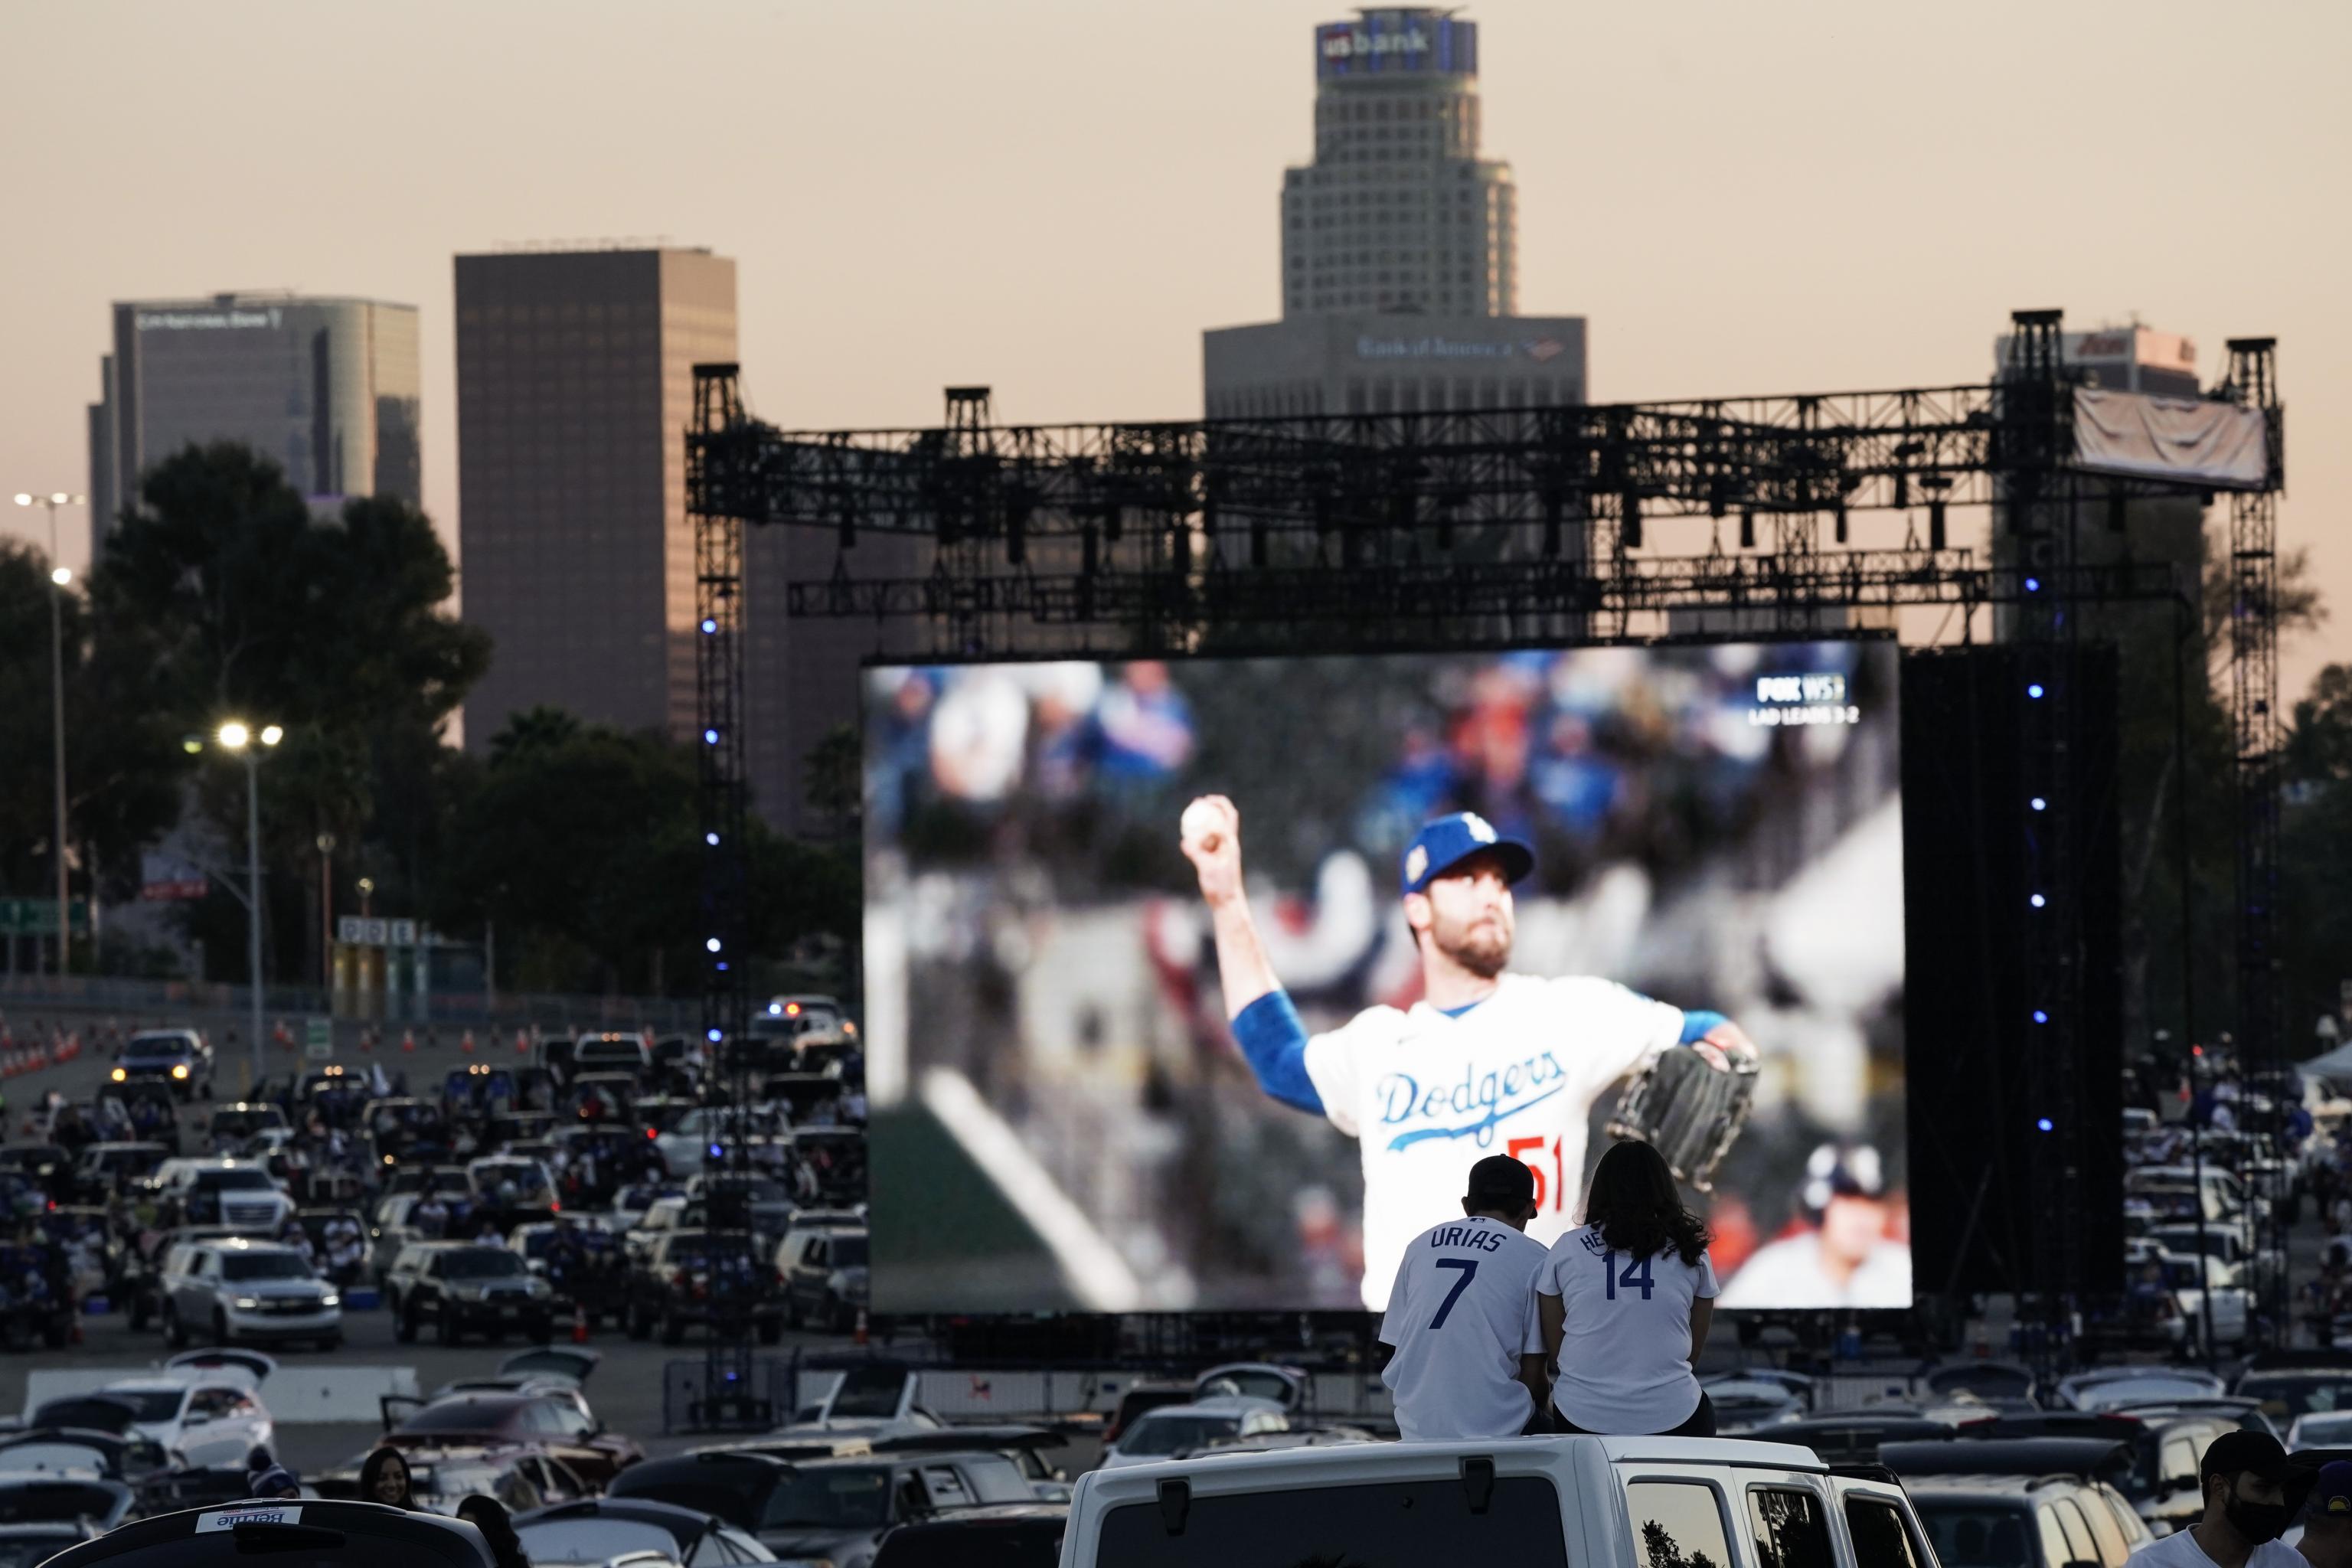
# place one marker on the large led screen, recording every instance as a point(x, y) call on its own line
point(1493, 891)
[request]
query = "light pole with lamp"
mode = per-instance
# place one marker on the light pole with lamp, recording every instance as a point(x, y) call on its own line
point(59, 577)
point(248, 744)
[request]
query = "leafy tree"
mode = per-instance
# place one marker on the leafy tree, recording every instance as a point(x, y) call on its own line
point(2315, 856)
point(221, 594)
point(583, 844)
point(122, 763)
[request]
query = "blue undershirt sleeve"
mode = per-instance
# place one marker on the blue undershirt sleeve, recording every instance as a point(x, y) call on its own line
point(1274, 1043)
point(1694, 1025)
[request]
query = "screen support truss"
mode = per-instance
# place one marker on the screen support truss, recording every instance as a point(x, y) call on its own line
point(1472, 528)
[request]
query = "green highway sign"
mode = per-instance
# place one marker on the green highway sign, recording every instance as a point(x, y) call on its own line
point(38, 917)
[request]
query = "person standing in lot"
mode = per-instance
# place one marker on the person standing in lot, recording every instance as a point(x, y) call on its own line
point(2251, 1492)
point(2328, 1519)
point(1467, 1357)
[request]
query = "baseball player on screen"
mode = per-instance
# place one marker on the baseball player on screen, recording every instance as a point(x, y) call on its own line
point(1486, 1059)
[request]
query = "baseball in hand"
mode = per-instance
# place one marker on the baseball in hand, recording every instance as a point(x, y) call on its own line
point(1200, 819)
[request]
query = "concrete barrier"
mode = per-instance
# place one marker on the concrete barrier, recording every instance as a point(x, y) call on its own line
point(304, 1394)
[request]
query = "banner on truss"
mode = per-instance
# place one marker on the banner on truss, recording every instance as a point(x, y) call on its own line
point(2178, 438)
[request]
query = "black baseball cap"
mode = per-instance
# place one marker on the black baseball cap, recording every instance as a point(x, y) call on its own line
point(1499, 1180)
point(2256, 1452)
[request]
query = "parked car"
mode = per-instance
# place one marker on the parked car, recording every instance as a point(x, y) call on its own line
point(310, 1534)
point(1854, 1437)
point(824, 1277)
point(2025, 1521)
point(1623, 1502)
point(598, 1529)
point(260, 1292)
point(1140, 1399)
point(2108, 1388)
point(238, 1124)
point(198, 1417)
point(101, 1170)
point(837, 1511)
point(77, 1451)
point(29, 1545)
point(177, 1058)
point(683, 1282)
point(1176, 1429)
point(998, 1534)
point(629, 1052)
point(2308, 1382)
point(462, 1288)
point(234, 1193)
point(733, 1485)
point(559, 1425)
point(64, 1500)
point(520, 1475)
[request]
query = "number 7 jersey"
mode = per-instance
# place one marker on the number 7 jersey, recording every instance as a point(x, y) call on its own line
point(1462, 1313)
point(1426, 1096)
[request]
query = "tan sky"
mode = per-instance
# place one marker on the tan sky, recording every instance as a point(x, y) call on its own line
point(1055, 196)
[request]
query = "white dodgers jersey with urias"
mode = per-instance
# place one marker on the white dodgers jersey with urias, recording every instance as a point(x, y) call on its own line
point(1426, 1096)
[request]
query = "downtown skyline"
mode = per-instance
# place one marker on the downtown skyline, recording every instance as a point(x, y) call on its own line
point(1055, 199)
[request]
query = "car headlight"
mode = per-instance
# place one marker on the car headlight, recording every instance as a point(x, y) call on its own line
point(246, 1303)
point(118, 1074)
point(330, 1300)
point(179, 1069)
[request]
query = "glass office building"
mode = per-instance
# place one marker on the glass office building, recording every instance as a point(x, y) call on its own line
point(328, 389)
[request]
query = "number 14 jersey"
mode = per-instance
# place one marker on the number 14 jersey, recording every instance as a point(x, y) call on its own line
point(1626, 1339)
point(1461, 1313)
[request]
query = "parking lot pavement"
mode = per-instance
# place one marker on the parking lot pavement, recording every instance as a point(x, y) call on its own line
point(626, 1393)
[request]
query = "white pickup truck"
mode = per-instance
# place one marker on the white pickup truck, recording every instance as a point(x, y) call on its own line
point(1523, 1502)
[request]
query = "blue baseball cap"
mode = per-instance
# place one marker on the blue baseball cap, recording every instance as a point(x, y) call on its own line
point(2331, 1498)
point(1445, 843)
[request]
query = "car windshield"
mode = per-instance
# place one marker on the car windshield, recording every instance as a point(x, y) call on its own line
point(460, 1415)
point(483, 1263)
point(1972, 1536)
point(2323, 1431)
point(523, 1174)
point(152, 1403)
point(854, 1498)
point(263, 1266)
point(157, 1046)
point(849, 1252)
point(1168, 1434)
point(239, 1180)
point(2298, 1393)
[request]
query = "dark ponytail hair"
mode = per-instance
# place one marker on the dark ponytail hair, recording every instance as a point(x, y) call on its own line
point(1633, 1202)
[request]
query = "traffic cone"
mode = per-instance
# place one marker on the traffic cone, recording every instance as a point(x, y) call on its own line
point(522, 1043)
point(407, 1039)
point(861, 1326)
point(579, 1324)
point(467, 1043)
point(367, 1041)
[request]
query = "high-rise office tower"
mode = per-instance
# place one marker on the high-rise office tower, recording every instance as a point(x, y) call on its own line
point(1400, 250)
point(575, 385)
point(1398, 211)
point(327, 387)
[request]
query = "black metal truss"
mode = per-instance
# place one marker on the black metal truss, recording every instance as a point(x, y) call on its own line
point(738, 1276)
point(1466, 527)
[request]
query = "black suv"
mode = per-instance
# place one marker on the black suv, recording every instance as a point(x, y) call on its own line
point(702, 1276)
point(466, 1288)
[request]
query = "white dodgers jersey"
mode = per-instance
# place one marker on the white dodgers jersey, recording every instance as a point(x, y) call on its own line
point(1426, 1096)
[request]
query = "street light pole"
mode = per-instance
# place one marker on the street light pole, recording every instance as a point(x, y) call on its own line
point(253, 887)
point(244, 739)
point(58, 577)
